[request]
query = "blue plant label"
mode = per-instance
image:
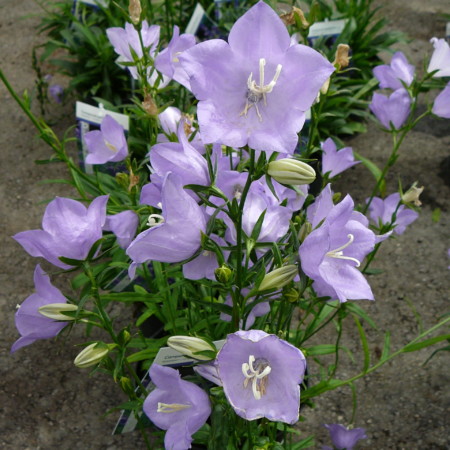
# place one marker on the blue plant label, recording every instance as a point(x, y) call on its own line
point(326, 28)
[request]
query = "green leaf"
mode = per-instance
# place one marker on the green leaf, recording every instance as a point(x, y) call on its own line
point(364, 343)
point(386, 346)
point(436, 215)
point(352, 307)
point(322, 349)
point(425, 343)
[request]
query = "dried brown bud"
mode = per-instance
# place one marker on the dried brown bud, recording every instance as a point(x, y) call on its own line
point(412, 195)
point(134, 180)
point(149, 105)
point(289, 18)
point(341, 58)
point(134, 9)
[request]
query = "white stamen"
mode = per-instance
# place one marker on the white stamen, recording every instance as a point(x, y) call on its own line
point(171, 407)
point(159, 205)
point(257, 377)
point(152, 220)
point(338, 253)
point(257, 92)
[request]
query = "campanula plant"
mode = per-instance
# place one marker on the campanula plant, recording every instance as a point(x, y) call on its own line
point(219, 237)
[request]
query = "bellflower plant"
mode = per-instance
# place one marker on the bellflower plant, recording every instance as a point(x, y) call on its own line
point(261, 374)
point(29, 322)
point(214, 219)
point(69, 229)
point(178, 406)
point(256, 83)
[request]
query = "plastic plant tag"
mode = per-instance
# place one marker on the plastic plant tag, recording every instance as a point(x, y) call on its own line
point(166, 356)
point(89, 118)
point(326, 29)
point(197, 17)
point(447, 31)
point(94, 3)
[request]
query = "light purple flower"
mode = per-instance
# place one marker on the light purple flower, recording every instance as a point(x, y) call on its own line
point(322, 205)
point(394, 109)
point(382, 211)
point(107, 144)
point(178, 406)
point(125, 39)
point(440, 59)
point(334, 161)
point(124, 226)
point(69, 229)
point(256, 88)
point(167, 61)
point(178, 236)
point(441, 105)
point(169, 120)
point(275, 223)
point(331, 254)
point(391, 75)
point(344, 438)
point(29, 322)
point(205, 264)
point(209, 371)
point(261, 374)
point(56, 92)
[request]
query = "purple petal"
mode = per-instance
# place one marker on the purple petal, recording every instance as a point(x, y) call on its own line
point(124, 226)
point(441, 105)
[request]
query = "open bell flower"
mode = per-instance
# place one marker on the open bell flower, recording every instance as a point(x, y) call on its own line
point(260, 374)
point(176, 234)
point(344, 438)
point(255, 88)
point(178, 406)
point(124, 226)
point(335, 162)
point(332, 253)
point(393, 110)
point(391, 75)
point(30, 323)
point(107, 144)
point(69, 229)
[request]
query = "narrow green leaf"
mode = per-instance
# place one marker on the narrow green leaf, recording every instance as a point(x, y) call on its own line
point(425, 343)
point(364, 343)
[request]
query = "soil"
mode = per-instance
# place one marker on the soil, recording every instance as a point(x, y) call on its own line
point(47, 403)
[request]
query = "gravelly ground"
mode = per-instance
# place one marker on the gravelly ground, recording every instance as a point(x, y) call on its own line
point(47, 403)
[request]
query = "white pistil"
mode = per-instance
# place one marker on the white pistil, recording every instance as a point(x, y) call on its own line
point(338, 253)
point(258, 376)
point(155, 219)
point(171, 407)
point(257, 92)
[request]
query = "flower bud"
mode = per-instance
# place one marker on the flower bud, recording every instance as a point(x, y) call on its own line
point(296, 13)
point(341, 58)
point(91, 355)
point(190, 346)
point(125, 384)
point(291, 295)
point(305, 229)
point(56, 311)
point(223, 274)
point(150, 106)
point(135, 10)
point(279, 277)
point(291, 171)
point(412, 195)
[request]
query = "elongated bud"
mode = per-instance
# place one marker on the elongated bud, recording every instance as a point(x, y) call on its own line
point(305, 229)
point(135, 10)
point(126, 385)
point(191, 346)
point(91, 355)
point(56, 311)
point(279, 277)
point(291, 171)
point(341, 58)
point(412, 195)
point(325, 86)
point(223, 274)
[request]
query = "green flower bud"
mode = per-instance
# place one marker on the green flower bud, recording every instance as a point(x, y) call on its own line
point(279, 277)
point(91, 355)
point(190, 346)
point(305, 229)
point(223, 274)
point(56, 311)
point(126, 385)
point(291, 295)
point(291, 171)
